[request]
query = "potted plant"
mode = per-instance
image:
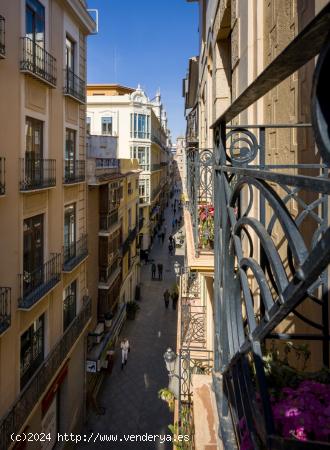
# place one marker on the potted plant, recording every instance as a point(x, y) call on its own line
point(131, 310)
point(108, 319)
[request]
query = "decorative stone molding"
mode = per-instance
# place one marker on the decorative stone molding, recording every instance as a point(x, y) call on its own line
point(235, 44)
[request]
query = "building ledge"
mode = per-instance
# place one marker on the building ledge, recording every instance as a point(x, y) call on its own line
point(203, 262)
point(206, 421)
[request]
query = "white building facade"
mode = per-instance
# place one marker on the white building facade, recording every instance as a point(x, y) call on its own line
point(140, 125)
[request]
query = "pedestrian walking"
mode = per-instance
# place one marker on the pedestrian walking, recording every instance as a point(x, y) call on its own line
point(163, 237)
point(170, 248)
point(173, 242)
point(174, 210)
point(167, 298)
point(175, 297)
point(153, 271)
point(160, 271)
point(125, 348)
point(170, 239)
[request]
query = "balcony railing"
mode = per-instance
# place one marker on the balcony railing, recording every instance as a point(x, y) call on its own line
point(108, 220)
point(37, 62)
point(200, 193)
point(2, 176)
point(157, 141)
point(37, 173)
point(5, 309)
point(35, 284)
point(74, 171)
point(74, 253)
point(272, 246)
point(74, 86)
point(2, 37)
point(12, 422)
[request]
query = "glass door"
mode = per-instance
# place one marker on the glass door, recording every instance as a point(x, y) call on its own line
point(33, 152)
point(35, 32)
point(69, 232)
point(33, 254)
point(70, 154)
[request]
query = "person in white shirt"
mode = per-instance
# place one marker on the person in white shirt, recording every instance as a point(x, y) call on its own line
point(124, 345)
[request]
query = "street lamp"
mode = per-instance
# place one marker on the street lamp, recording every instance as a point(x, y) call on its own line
point(170, 360)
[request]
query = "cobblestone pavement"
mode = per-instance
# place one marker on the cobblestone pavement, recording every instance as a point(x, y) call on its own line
point(130, 396)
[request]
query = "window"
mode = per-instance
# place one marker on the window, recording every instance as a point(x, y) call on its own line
point(69, 304)
point(106, 125)
point(35, 22)
point(33, 253)
point(88, 125)
point(33, 138)
point(70, 153)
point(32, 349)
point(69, 232)
point(143, 155)
point(69, 53)
point(140, 126)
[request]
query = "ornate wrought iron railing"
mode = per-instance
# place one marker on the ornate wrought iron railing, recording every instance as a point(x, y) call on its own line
point(2, 37)
point(200, 193)
point(37, 62)
point(74, 171)
point(35, 284)
point(37, 173)
point(74, 86)
point(2, 176)
point(5, 309)
point(272, 245)
point(74, 253)
point(18, 413)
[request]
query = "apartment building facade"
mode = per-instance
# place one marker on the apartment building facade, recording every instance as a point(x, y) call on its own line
point(45, 307)
point(114, 263)
point(251, 125)
point(141, 128)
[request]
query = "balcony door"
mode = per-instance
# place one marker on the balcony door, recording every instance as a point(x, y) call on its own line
point(33, 151)
point(70, 153)
point(70, 63)
point(69, 232)
point(32, 349)
point(69, 304)
point(35, 34)
point(33, 254)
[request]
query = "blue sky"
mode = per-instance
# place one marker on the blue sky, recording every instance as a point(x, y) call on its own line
point(147, 42)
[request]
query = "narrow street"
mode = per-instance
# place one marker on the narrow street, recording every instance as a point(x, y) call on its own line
point(130, 396)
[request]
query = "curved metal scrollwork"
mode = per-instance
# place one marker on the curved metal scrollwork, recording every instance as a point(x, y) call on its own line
point(243, 146)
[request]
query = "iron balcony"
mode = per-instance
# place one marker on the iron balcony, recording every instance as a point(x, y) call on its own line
point(35, 284)
point(2, 176)
point(15, 418)
point(108, 220)
point(37, 173)
point(74, 253)
point(2, 37)
point(74, 86)
point(105, 273)
point(37, 62)
point(5, 309)
point(74, 171)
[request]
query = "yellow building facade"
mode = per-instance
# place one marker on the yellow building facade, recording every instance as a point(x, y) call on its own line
point(45, 307)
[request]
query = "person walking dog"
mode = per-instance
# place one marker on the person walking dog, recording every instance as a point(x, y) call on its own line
point(124, 345)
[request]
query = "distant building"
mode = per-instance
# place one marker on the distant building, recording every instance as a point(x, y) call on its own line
point(140, 125)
